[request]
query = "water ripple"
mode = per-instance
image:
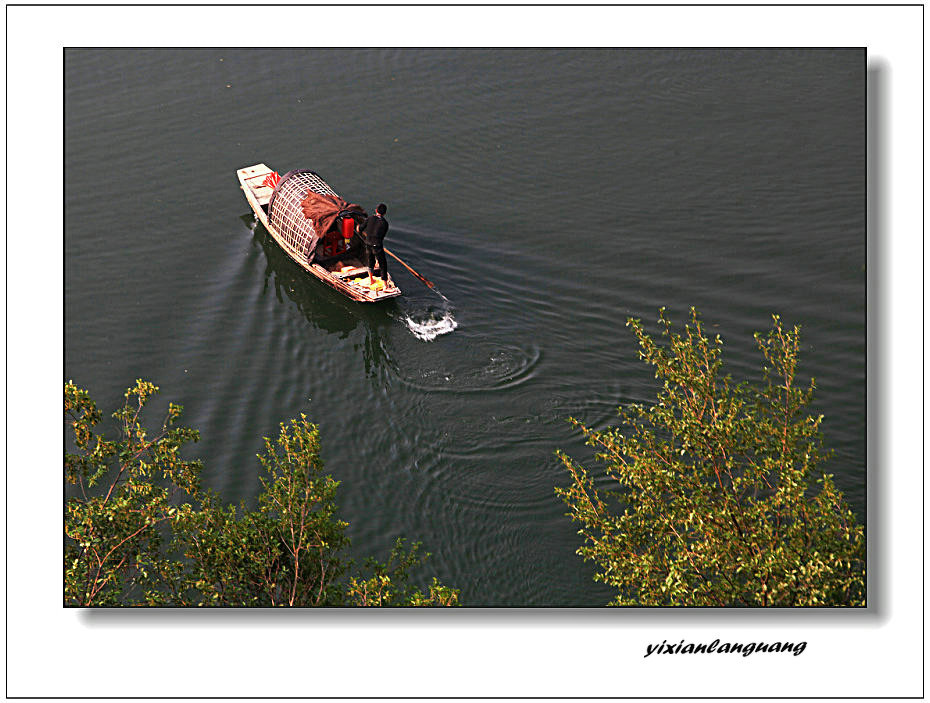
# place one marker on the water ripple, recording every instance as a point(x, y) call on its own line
point(501, 367)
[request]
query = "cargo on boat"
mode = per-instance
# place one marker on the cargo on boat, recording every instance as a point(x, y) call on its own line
point(317, 228)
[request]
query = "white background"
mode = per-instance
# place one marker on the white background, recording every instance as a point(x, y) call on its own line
point(52, 651)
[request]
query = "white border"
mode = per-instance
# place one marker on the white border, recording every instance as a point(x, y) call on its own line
point(54, 652)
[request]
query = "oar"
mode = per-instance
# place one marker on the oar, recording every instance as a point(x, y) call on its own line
point(422, 278)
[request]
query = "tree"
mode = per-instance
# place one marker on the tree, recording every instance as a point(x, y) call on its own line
point(115, 534)
point(140, 531)
point(389, 582)
point(290, 550)
point(717, 498)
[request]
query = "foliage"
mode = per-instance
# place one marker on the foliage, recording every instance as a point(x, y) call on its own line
point(115, 533)
point(388, 583)
point(289, 551)
point(717, 496)
point(140, 531)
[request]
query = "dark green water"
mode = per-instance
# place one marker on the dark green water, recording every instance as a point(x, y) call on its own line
point(549, 194)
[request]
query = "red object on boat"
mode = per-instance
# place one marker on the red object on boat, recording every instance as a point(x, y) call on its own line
point(271, 180)
point(348, 227)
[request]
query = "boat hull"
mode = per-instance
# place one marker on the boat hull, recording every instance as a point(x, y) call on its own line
point(346, 279)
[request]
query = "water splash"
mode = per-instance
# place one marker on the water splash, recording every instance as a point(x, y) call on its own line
point(433, 325)
point(428, 324)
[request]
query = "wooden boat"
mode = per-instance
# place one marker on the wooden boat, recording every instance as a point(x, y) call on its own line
point(277, 203)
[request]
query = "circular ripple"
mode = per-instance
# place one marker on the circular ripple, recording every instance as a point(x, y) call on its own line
point(491, 369)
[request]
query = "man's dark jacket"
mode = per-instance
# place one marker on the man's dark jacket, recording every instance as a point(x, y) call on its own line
point(375, 229)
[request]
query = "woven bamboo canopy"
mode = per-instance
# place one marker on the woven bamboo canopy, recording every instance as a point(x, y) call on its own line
point(303, 208)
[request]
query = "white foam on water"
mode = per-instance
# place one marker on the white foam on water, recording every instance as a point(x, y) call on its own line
point(428, 329)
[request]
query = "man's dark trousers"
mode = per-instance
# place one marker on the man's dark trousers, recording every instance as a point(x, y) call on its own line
point(375, 229)
point(377, 254)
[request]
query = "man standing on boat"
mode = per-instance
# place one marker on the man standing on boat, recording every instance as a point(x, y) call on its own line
point(375, 229)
